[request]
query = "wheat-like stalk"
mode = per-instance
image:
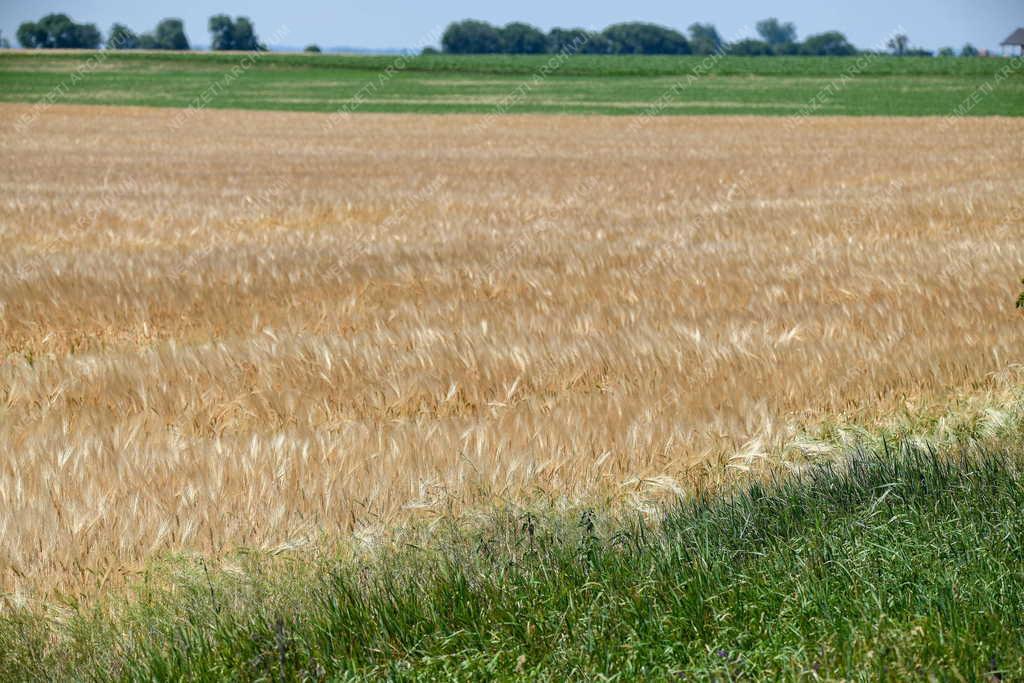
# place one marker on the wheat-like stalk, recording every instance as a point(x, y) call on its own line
point(260, 333)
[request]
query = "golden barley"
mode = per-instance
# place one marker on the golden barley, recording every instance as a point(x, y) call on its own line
point(261, 331)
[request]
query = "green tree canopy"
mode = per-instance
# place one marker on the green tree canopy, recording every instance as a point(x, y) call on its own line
point(245, 35)
point(898, 44)
point(239, 34)
point(479, 37)
point(221, 27)
point(704, 39)
point(968, 50)
point(58, 31)
point(519, 38)
point(830, 43)
point(170, 35)
point(750, 47)
point(30, 35)
point(471, 37)
point(774, 32)
point(637, 38)
point(122, 38)
point(577, 40)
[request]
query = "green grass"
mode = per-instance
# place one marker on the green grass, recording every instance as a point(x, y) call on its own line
point(582, 84)
point(899, 565)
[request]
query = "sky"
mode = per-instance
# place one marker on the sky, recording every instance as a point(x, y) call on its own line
point(413, 23)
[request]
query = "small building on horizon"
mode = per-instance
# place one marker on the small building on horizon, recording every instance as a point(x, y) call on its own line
point(1014, 40)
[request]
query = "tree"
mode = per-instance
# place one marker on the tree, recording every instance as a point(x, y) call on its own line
point(577, 40)
point(170, 35)
point(244, 34)
point(565, 38)
point(239, 34)
point(88, 37)
point(704, 39)
point(312, 48)
point(786, 49)
point(31, 36)
point(122, 38)
point(968, 50)
point(58, 31)
point(898, 44)
point(750, 47)
point(636, 38)
point(773, 32)
point(221, 30)
point(518, 38)
point(597, 44)
point(830, 43)
point(471, 37)
point(947, 52)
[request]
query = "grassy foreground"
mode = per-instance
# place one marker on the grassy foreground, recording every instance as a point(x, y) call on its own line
point(869, 85)
point(899, 565)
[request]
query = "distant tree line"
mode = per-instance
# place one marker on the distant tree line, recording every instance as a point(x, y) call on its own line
point(775, 38)
point(168, 35)
point(59, 31)
point(479, 37)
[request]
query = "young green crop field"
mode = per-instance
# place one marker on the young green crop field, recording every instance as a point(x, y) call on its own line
point(625, 85)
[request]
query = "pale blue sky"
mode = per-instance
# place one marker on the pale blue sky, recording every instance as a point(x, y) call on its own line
point(410, 23)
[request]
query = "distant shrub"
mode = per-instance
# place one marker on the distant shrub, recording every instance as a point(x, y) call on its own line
point(312, 48)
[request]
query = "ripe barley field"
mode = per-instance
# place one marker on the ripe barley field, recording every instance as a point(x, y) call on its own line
point(230, 329)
